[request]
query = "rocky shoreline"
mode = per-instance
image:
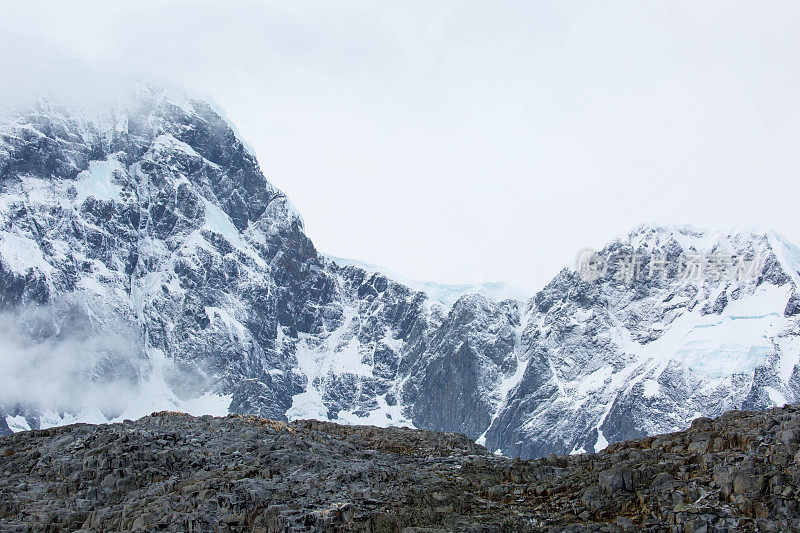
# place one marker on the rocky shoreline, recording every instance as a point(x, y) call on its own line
point(174, 472)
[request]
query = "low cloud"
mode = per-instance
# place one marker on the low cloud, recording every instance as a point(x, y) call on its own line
point(61, 357)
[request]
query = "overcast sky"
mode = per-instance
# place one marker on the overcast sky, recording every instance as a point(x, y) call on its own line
point(474, 141)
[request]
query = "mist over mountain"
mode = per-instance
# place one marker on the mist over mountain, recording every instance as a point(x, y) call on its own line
point(146, 263)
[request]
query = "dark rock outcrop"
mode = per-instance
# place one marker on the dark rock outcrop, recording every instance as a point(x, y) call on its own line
point(173, 472)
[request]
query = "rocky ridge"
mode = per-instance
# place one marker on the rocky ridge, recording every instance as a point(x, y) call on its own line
point(174, 472)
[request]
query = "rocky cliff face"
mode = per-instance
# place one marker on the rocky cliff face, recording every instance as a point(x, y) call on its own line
point(147, 263)
point(173, 472)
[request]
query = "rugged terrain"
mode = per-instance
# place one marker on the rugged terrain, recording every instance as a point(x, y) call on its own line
point(174, 472)
point(146, 263)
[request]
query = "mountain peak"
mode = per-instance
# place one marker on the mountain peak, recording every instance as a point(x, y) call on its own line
point(700, 238)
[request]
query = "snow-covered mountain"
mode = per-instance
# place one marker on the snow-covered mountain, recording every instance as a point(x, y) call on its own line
point(149, 224)
point(146, 263)
point(618, 358)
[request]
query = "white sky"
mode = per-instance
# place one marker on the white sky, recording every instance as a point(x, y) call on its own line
point(474, 141)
